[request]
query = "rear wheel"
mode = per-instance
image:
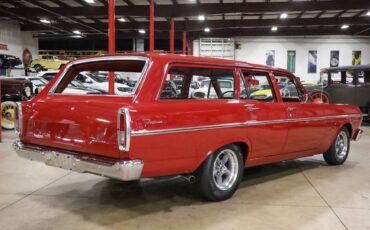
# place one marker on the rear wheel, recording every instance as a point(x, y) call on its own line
point(7, 114)
point(338, 151)
point(219, 176)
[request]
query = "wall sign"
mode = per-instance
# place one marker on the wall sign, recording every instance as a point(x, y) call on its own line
point(3, 47)
point(291, 61)
point(312, 61)
point(334, 58)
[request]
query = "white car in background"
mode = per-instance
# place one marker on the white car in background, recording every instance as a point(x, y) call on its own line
point(226, 86)
point(100, 82)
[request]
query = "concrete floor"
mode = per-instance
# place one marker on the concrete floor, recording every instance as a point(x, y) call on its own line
point(298, 194)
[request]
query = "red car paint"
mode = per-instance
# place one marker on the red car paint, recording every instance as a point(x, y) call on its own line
point(160, 135)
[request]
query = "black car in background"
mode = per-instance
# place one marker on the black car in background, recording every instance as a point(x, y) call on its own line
point(9, 61)
point(348, 85)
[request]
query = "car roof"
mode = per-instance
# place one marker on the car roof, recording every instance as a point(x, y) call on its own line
point(187, 58)
point(350, 67)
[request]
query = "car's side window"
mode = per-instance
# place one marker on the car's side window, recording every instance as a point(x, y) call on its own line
point(256, 86)
point(198, 83)
point(288, 89)
point(363, 78)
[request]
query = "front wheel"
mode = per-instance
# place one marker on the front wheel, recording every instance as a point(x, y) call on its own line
point(219, 176)
point(338, 151)
point(7, 114)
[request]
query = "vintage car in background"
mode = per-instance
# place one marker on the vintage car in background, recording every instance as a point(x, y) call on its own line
point(38, 83)
point(9, 61)
point(13, 91)
point(153, 133)
point(47, 63)
point(348, 85)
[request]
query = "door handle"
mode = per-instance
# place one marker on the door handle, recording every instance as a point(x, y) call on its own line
point(292, 109)
point(252, 109)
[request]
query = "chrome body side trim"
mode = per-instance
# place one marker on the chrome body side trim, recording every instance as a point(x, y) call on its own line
point(121, 170)
point(358, 135)
point(102, 59)
point(19, 127)
point(230, 125)
point(126, 145)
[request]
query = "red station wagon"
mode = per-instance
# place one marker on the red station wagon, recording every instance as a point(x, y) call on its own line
point(162, 129)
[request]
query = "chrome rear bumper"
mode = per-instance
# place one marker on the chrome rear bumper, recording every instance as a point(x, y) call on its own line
point(358, 135)
point(121, 170)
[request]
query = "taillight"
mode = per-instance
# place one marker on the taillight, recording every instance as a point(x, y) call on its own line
point(124, 129)
point(18, 118)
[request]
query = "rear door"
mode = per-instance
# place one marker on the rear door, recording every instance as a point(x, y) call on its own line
point(260, 106)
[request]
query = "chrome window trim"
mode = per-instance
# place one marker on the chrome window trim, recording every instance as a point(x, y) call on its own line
point(240, 124)
point(102, 59)
point(126, 113)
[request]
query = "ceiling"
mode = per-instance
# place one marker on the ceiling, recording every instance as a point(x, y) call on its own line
point(225, 18)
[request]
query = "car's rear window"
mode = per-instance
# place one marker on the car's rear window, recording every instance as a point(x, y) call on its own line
point(94, 77)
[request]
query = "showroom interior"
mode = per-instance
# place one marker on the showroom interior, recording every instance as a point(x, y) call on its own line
point(321, 48)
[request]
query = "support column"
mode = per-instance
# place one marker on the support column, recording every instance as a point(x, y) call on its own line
point(151, 29)
point(111, 40)
point(172, 36)
point(184, 51)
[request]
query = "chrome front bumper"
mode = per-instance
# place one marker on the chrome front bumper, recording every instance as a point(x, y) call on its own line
point(358, 135)
point(121, 170)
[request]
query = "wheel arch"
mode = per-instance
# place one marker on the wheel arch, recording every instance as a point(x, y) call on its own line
point(242, 143)
point(348, 126)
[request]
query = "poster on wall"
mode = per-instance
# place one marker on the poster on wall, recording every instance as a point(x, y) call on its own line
point(312, 61)
point(291, 61)
point(356, 57)
point(334, 58)
point(270, 57)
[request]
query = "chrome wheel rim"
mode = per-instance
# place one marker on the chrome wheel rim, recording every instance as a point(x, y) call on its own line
point(341, 145)
point(225, 169)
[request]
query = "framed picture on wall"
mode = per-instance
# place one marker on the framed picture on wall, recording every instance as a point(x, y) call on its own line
point(291, 61)
point(356, 57)
point(270, 57)
point(312, 61)
point(334, 58)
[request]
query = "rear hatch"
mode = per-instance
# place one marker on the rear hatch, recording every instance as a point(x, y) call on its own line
point(84, 124)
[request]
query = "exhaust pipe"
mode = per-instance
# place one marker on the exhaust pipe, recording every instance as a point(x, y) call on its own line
point(189, 178)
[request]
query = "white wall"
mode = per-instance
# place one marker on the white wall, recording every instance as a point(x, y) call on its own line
point(17, 41)
point(253, 49)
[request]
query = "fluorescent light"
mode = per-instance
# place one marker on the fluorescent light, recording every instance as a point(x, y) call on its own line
point(76, 36)
point(207, 30)
point(142, 31)
point(77, 32)
point(344, 27)
point(201, 17)
point(283, 15)
point(368, 13)
point(90, 1)
point(46, 21)
point(121, 20)
point(274, 28)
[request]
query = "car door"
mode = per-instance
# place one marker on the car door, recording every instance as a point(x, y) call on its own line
point(262, 108)
point(304, 130)
point(341, 87)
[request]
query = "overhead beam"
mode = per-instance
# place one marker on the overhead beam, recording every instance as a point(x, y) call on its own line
point(186, 10)
point(221, 24)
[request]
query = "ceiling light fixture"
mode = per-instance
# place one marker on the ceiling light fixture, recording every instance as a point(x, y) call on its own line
point(344, 27)
point(207, 30)
point(90, 1)
point(142, 31)
point(274, 28)
point(283, 15)
point(76, 36)
point(201, 17)
point(368, 13)
point(77, 32)
point(46, 21)
point(121, 20)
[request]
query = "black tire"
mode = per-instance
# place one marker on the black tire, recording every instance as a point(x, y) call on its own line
point(38, 68)
point(337, 154)
point(206, 179)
